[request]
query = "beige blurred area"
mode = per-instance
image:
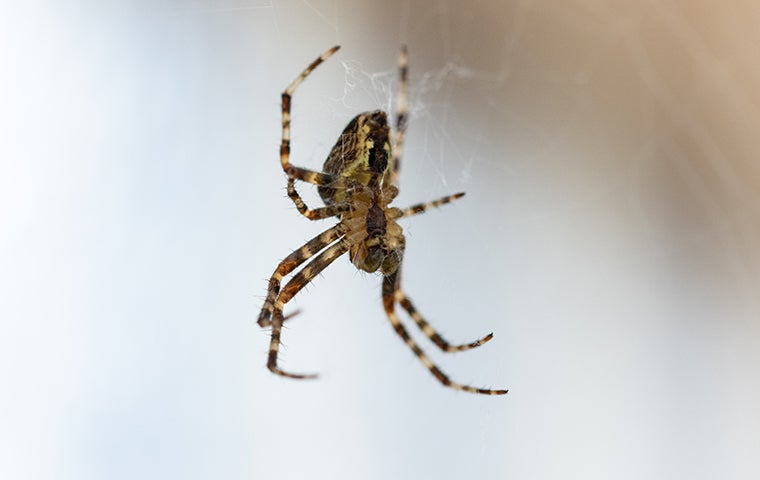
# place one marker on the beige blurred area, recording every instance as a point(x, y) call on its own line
point(609, 239)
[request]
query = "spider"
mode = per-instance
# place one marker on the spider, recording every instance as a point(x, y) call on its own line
point(357, 185)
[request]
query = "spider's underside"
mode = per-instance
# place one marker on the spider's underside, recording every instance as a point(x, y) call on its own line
point(357, 185)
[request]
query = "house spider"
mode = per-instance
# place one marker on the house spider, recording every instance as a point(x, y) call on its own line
point(357, 184)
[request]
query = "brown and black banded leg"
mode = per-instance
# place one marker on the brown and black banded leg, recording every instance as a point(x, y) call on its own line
point(274, 347)
point(430, 332)
point(299, 280)
point(290, 263)
point(389, 300)
point(424, 207)
point(298, 173)
point(317, 213)
point(402, 114)
point(309, 176)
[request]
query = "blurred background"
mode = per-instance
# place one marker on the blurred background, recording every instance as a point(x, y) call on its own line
point(609, 238)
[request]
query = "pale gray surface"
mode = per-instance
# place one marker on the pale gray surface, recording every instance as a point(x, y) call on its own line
point(609, 238)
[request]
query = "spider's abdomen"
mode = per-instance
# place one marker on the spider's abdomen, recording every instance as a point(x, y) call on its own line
point(360, 154)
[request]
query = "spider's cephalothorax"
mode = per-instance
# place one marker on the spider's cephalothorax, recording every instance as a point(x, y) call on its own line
point(357, 185)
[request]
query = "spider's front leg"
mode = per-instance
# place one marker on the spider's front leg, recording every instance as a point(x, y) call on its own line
point(430, 332)
point(299, 280)
point(390, 288)
point(290, 263)
point(406, 303)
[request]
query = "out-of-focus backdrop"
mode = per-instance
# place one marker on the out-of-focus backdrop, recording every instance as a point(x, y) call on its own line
point(609, 238)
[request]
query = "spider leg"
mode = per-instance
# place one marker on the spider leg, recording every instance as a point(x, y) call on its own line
point(402, 114)
point(430, 332)
point(390, 286)
point(290, 263)
point(317, 213)
point(299, 280)
point(293, 172)
point(423, 207)
point(406, 303)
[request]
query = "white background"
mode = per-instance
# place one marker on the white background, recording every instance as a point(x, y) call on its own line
point(609, 239)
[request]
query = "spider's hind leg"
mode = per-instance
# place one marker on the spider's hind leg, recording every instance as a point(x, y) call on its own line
point(402, 114)
point(293, 172)
point(316, 213)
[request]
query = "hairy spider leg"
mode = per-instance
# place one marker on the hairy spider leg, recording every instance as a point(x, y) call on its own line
point(293, 172)
point(390, 287)
point(406, 302)
point(316, 213)
point(290, 263)
point(425, 206)
point(430, 332)
point(402, 114)
point(299, 280)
